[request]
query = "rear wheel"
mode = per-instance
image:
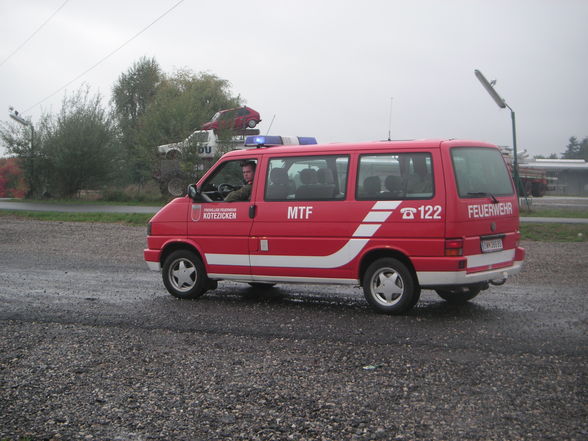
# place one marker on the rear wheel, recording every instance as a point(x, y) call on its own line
point(389, 286)
point(184, 275)
point(251, 123)
point(460, 294)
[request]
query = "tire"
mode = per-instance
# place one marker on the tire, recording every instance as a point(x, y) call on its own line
point(176, 187)
point(389, 286)
point(459, 295)
point(538, 189)
point(251, 123)
point(174, 183)
point(184, 275)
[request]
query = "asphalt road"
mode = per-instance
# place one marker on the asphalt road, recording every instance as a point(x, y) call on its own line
point(92, 347)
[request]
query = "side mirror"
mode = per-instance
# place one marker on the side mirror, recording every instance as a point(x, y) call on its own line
point(196, 196)
point(193, 192)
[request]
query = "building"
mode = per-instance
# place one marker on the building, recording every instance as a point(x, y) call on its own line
point(568, 177)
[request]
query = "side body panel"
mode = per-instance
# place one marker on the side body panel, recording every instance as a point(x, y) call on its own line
point(316, 240)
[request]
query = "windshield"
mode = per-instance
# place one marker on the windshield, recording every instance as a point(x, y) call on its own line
point(480, 172)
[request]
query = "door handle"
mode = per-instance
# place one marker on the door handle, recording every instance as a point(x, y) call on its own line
point(252, 209)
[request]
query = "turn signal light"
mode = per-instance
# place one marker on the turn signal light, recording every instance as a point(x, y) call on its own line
point(453, 247)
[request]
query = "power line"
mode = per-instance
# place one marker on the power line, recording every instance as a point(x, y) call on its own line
point(107, 56)
point(33, 34)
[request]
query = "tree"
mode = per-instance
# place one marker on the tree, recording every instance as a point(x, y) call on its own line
point(576, 150)
point(182, 103)
point(78, 144)
point(152, 108)
point(132, 95)
point(71, 150)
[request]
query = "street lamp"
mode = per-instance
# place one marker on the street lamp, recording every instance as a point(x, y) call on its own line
point(13, 113)
point(502, 104)
point(16, 116)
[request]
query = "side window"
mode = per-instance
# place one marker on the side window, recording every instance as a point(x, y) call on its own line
point(227, 178)
point(395, 176)
point(307, 178)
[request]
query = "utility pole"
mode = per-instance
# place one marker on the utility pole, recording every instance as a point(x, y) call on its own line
point(18, 118)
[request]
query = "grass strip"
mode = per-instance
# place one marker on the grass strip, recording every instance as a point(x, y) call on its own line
point(554, 212)
point(553, 232)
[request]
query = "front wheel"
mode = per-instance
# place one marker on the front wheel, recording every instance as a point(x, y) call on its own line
point(251, 123)
point(459, 295)
point(389, 286)
point(184, 275)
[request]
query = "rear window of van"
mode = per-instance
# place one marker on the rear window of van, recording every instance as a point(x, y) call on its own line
point(480, 172)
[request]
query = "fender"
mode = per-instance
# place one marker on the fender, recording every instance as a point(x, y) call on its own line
point(183, 242)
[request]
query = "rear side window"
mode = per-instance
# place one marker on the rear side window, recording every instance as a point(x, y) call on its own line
point(395, 176)
point(480, 172)
point(307, 178)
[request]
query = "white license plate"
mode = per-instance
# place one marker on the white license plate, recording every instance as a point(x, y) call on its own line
point(491, 245)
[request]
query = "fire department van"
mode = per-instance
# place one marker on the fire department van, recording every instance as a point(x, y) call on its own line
point(392, 217)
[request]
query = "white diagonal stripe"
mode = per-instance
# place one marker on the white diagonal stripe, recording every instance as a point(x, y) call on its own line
point(377, 216)
point(386, 205)
point(366, 230)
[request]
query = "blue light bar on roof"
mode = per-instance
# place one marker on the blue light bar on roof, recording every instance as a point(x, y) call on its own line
point(263, 141)
point(307, 140)
point(273, 140)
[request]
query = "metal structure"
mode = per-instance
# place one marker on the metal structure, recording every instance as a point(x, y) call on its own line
point(15, 115)
point(489, 86)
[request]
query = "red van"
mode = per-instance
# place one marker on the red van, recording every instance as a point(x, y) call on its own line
point(392, 217)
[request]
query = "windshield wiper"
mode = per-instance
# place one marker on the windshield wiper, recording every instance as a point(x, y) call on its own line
point(482, 194)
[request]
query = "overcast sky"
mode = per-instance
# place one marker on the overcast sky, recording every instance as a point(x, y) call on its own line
point(338, 70)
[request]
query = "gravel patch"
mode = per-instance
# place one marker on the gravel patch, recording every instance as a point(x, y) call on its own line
point(114, 382)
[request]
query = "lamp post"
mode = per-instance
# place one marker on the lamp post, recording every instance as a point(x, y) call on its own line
point(502, 104)
point(13, 113)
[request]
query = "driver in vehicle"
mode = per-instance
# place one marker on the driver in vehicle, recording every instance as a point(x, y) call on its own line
point(243, 193)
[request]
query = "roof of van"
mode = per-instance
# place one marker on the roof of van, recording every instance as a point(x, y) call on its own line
point(359, 146)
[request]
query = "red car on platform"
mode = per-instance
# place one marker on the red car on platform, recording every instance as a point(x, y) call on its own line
point(237, 118)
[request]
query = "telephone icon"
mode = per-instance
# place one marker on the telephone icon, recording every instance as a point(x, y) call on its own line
point(408, 212)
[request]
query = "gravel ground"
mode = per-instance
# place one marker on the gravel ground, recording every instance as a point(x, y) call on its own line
point(80, 382)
